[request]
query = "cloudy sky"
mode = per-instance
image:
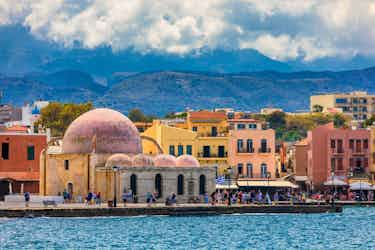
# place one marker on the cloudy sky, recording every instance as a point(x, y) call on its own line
point(283, 30)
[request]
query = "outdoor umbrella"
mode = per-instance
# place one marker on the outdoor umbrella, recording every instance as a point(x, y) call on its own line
point(361, 186)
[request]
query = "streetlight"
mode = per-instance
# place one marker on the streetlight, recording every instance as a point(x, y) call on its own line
point(115, 170)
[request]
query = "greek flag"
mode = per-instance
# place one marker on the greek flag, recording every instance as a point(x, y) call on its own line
point(220, 180)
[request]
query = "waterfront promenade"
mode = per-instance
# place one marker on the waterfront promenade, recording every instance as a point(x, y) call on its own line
point(82, 210)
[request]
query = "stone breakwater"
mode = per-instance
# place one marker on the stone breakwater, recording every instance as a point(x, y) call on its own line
point(172, 211)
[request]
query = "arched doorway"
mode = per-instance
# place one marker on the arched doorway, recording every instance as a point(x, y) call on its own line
point(4, 188)
point(133, 184)
point(202, 184)
point(158, 185)
point(180, 184)
point(70, 189)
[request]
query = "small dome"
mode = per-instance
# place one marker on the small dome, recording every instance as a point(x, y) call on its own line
point(165, 161)
point(187, 161)
point(142, 160)
point(102, 131)
point(119, 160)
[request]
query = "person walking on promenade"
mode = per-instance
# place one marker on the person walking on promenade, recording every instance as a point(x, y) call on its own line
point(89, 198)
point(276, 197)
point(98, 199)
point(27, 198)
point(65, 196)
point(213, 198)
point(259, 196)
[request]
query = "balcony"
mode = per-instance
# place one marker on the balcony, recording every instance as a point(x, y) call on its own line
point(337, 151)
point(245, 151)
point(210, 155)
point(359, 151)
point(253, 176)
point(264, 150)
point(219, 134)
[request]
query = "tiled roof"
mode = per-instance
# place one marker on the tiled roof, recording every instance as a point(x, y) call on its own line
point(20, 176)
point(17, 128)
point(199, 115)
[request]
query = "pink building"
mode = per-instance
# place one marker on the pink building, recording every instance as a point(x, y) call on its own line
point(337, 152)
point(251, 149)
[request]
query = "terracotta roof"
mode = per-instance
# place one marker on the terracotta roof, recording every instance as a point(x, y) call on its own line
point(20, 176)
point(17, 128)
point(198, 115)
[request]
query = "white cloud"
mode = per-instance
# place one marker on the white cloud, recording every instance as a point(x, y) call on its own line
point(282, 30)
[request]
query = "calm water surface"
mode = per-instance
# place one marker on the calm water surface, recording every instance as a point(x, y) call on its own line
point(353, 229)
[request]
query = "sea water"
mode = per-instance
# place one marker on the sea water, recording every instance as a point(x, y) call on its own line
point(352, 229)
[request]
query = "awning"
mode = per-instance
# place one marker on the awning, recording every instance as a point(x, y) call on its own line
point(271, 183)
point(335, 182)
point(224, 186)
point(301, 178)
point(364, 185)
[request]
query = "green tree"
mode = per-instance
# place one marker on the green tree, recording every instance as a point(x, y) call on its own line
point(317, 108)
point(58, 116)
point(370, 121)
point(340, 120)
point(137, 115)
point(276, 120)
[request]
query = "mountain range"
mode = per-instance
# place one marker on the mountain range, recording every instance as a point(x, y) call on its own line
point(160, 92)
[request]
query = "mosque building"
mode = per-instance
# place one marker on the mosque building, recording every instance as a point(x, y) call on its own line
point(101, 151)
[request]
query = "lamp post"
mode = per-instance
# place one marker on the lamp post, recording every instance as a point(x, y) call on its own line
point(115, 170)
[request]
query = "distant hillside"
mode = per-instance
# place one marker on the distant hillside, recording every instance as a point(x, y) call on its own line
point(66, 86)
point(166, 91)
point(160, 92)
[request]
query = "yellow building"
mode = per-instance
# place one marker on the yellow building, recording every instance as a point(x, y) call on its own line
point(358, 104)
point(203, 134)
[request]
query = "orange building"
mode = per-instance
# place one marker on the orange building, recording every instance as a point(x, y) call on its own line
point(251, 149)
point(19, 162)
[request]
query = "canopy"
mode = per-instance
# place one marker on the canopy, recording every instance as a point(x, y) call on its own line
point(361, 186)
point(226, 186)
point(265, 183)
point(335, 182)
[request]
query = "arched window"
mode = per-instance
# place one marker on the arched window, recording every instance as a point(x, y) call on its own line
point(250, 170)
point(180, 184)
point(202, 184)
point(133, 183)
point(263, 146)
point(158, 185)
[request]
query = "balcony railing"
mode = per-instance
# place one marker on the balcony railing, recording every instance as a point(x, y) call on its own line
point(254, 176)
point(219, 134)
point(245, 150)
point(210, 155)
point(264, 150)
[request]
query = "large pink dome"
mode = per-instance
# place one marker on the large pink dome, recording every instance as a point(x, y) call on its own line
point(119, 160)
point(187, 161)
point(102, 131)
point(165, 161)
point(142, 160)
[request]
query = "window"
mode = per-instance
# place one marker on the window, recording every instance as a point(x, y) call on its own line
point(365, 144)
point(158, 186)
point(180, 149)
point(66, 164)
point(180, 184)
point(333, 143)
point(263, 146)
point(241, 126)
point(249, 146)
point(189, 150)
point(249, 170)
point(195, 129)
point(221, 151)
point(5, 151)
point(351, 144)
point(333, 164)
point(239, 145)
point(214, 131)
point(240, 168)
point(339, 164)
point(202, 184)
point(252, 126)
point(133, 184)
point(206, 151)
point(351, 163)
point(341, 100)
point(365, 162)
point(263, 170)
point(171, 149)
point(358, 146)
point(30, 153)
point(339, 146)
